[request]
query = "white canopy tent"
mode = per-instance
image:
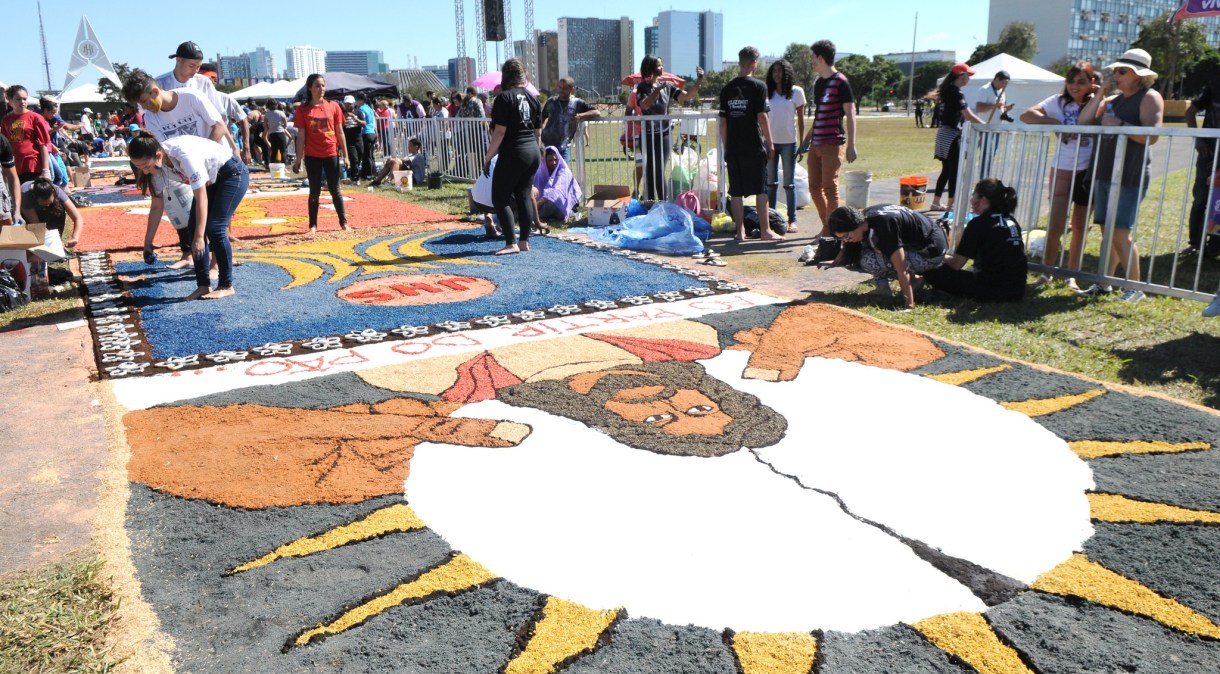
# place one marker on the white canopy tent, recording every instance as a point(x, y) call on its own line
point(85, 93)
point(282, 89)
point(256, 90)
point(1029, 86)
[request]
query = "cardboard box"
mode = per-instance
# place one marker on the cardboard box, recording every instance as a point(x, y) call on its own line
point(608, 202)
point(25, 251)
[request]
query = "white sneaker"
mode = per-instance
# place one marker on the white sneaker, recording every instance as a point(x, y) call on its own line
point(1094, 290)
point(1212, 310)
point(807, 254)
point(1131, 295)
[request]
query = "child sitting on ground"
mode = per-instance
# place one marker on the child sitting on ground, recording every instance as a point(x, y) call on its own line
point(415, 161)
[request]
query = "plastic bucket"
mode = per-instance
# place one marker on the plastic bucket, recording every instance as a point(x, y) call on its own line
point(434, 180)
point(403, 181)
point(277, 170)
point(855, 193)
point(912, 191)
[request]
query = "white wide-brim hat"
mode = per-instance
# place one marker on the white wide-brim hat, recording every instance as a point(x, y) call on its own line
point(1135, 59)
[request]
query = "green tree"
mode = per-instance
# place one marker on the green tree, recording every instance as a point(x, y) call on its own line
point(802, 62)
point(870, 79)
point(929, 75)
point(1205, 71)
point(715, 81)
point(984, 52)
point(1019, 39)
point(108, 90)
point(1061, 66)
point(1174, 46)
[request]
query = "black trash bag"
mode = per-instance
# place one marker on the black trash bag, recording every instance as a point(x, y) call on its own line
point(750, 217)
point(12, 296)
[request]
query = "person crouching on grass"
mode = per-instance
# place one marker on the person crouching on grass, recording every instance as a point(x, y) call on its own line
point(219, 181)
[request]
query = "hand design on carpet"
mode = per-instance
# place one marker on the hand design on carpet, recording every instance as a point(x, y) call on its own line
point(257, 456)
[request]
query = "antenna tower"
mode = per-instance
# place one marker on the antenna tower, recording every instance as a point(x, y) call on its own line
point(480, 38)
point(46, 58)
point(459, 17)
point(531, 46)
point(508, 29)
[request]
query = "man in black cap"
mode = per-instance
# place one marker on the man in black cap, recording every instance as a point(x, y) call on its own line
point(188, 59)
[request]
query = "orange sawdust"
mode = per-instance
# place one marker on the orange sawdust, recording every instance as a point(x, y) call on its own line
point(257, 456)
point(821, 330)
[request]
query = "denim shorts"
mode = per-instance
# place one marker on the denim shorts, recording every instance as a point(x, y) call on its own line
point(1129, 198)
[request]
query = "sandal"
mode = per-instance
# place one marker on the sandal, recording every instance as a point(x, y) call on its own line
point(1042, 280)
point(715, 262)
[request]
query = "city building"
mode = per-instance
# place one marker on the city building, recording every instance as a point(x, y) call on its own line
point(231, 69)
point(1098, 31)
point(547, 51)
point(442, 74)
point(417, 80)
point(303, 61)
point(686, 40)
point(652, 38)
point(356, 62)
point(461, 72)
point(597, 53)
point(262, 64)
point(922, 58)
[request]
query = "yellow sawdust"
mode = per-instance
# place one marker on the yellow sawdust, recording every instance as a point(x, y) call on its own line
point(1115, 508)
point(1092, 449)
point(565, 631)
point(775, 653)
point(394, 519)
point(47, 475)
point(967, 376)
point(1044, 406)
point(969, 637)
point(1079, 577)
point(459, 573)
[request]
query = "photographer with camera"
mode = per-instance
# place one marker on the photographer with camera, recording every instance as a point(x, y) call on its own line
point(988, 101)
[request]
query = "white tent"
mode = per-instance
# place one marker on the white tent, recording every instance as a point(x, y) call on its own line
point(85, 93)
point(1029, 86)
point(257, 90)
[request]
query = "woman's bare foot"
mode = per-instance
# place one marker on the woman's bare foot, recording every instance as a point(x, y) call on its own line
point(508, 250)
point(523, 245)
point(771, 237)
point(199, 292)
point(184, 262)
point(344, 226)
point(792, 228)
point(220, 293)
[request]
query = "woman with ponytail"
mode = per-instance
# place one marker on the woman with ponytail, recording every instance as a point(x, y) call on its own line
point(44, 201)
point(993, 240)
point(218, 180)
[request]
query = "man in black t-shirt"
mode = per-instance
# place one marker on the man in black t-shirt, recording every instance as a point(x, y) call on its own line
point(746, 136)
point(561, 114)
point(1208, 103)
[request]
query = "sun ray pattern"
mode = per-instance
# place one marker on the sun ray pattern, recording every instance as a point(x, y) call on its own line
point(1094, 449)
point(775, 653)
point(1044, 406)
point(1116, 508)
point(970, 637)
point(564, 632)
point(459, 574)
point(398, 518)
point(1080, 577)
point(967, 376)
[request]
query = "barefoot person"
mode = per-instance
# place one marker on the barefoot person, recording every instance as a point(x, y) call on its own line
point(219, 181)
point(320, 143)
point(516, 129)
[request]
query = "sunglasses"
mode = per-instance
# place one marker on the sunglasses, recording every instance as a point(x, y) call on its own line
point(1122, 71)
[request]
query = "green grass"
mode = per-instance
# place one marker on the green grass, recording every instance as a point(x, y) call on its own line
point(55, 619)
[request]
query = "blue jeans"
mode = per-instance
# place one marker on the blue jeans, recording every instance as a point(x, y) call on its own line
point(788, 152)
point(224, 196)
point(59, 170)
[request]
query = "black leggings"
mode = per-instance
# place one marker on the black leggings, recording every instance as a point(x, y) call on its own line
point(279, 147)
point(512, 184)
point(948, 171)
point(315, 167)
point(656, 156)
point(261, 144)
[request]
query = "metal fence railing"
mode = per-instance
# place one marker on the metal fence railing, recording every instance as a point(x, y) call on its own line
point(1178, 180)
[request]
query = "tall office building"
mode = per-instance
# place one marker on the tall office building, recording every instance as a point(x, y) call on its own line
point(597, 53)
point(686, 40)
point(304, 60)
point(652, 38)
point(230, 69)
point(461, 72)
point(546, 47)
point(442, 74)
point(356, 62)
point(262, 64)
point(1097, 31)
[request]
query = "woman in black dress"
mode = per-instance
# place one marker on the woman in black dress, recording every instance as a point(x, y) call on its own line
point(516, 121)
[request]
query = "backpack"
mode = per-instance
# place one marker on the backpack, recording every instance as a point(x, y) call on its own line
point(12, 296)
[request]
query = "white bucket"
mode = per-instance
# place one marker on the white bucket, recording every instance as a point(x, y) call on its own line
point(403, 181)
point(855, 192)
point(277, 170)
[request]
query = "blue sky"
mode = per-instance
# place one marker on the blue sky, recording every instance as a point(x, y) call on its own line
point(145, 33)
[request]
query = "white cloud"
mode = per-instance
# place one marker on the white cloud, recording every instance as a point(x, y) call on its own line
point(939, 36)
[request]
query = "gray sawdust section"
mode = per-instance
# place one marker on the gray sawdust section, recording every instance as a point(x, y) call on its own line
point(314, 394)
point(1021, 382)
point(1122, 417)
point(1188, 480)
point(730, 323)
point(957, 359)
point(646, 646)
point(1079, 637)
point(888, 650)
point(1181, 561)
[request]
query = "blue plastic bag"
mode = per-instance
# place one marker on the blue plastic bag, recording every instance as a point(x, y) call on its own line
point(634, 208)
point(667, 228)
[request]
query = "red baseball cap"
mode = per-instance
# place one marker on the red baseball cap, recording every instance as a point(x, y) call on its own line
point(961, 68)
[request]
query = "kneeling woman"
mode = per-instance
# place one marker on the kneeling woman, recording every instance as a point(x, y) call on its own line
point(44, 201)
point(894, 240)
point(219, 181)
point(556, 188)
point(993, 240)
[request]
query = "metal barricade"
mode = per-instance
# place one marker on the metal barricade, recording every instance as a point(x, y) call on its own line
point(454, 146)
point(1180, 188)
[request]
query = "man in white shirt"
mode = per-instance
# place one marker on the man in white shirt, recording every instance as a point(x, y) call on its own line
point(188, 59)
point(990, 106)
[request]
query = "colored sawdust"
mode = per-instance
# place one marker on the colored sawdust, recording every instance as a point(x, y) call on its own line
point(565, 631)
point(124, 229)
point(782, 653)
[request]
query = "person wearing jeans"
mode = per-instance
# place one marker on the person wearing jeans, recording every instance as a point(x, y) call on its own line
point(787, 119)
point(219, 181)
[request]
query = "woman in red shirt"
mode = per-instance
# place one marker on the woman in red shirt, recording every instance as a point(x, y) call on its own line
point(320, 143)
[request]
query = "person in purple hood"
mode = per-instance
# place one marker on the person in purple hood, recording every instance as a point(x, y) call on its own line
point(557, 191)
